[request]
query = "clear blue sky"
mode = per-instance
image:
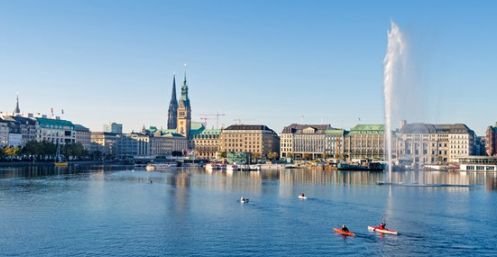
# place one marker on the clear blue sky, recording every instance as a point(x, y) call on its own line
point(268, 62)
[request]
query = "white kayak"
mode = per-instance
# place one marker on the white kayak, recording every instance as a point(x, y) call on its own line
point(245, 200)
point(385, 231)
point(302, 197)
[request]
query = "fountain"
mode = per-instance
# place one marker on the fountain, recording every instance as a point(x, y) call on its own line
point(391, 68)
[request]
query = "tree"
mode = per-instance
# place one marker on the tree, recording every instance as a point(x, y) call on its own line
point(12, 151)
point(223, 154)
point(289, 155)
point(307, 156)
point(272, 155)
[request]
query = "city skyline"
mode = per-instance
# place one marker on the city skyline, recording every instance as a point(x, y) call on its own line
point(265, 63)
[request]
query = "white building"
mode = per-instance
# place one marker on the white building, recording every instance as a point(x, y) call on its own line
point(83, 136)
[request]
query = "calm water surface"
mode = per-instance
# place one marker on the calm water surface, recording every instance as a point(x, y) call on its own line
point(115, 211)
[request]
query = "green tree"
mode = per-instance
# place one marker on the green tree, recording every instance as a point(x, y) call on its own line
point(223, 154)
point(289, 155)
point(307, 156)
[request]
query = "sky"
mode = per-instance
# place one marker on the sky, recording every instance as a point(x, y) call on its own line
point(263, 62)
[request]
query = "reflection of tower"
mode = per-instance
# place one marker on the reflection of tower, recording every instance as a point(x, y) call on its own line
point(172, 115)
point(184, 113)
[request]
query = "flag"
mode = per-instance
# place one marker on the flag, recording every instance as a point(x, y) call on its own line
point(62, 111)
point(51, 110)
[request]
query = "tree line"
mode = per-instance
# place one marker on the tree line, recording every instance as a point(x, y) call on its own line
point(42, 151)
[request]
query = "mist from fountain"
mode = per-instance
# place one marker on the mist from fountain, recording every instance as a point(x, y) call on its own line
point(392, 67)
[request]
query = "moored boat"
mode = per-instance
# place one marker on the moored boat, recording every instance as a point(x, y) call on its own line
point(156, 166)
point(345, 233)
point(385, 231)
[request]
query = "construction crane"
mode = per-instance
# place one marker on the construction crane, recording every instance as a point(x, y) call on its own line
point(217, 115)
point(239, 121)
point(204, 120)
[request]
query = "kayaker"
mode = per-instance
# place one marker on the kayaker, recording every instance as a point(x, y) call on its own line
point(242, 199)
point(383, 225)
point(344, 228)
point(302, 194)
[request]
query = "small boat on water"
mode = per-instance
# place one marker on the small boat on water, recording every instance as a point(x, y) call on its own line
point(58, 159)
point(244, 200)
point(345, 233)
point(156, 166)
point(302, 197)
point(384, 231)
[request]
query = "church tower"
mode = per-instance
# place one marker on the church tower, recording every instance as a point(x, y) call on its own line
point(17, 110)
point(172, 114)
point(184, 112)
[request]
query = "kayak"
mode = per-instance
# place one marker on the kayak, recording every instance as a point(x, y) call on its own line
point(245, 200)
point(385, 231)
point(302, 197)
point(345, 233)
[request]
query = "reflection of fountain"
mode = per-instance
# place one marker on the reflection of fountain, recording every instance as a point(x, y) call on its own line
point(390, 70)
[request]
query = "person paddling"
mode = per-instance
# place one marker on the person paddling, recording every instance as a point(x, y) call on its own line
point(383, 225)
point(344, 228)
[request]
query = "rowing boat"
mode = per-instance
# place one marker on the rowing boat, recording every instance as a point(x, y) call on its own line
point(385, 231)
point(345, 233)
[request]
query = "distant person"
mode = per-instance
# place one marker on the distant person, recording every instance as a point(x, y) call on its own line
point(383, 225)
point(242, 199)
point(344, 228)
point(302, 195)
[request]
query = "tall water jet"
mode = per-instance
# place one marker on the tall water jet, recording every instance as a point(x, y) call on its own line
point(391, 68)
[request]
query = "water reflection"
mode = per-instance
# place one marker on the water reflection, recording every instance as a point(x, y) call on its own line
point(184, 178)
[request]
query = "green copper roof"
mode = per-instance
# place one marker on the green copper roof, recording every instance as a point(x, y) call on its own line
point(207, 132)
point(53, 123)
point(368, 129)
point(335, 132)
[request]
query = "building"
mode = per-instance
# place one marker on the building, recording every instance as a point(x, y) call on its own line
point(207, 143)
point(299, 141)
point(4, 133)
point(254, 139)
point(164, 142)
point(185, 114)
point(366, 142)
point(83, 136)
point(103, 142)
point(172, 114)
point(334, 142)
point(113, 127)
point(132, 144)
point(28, 127)
point(491, 140)
point(420, 143)
point(56, 131)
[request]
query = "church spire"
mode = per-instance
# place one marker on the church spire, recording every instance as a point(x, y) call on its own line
point(184, 93)
point(17, 111)
point(173, 108)
point(173, 94)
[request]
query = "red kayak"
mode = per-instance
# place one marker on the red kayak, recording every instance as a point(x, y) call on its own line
point(345, 233)
point(385, 231)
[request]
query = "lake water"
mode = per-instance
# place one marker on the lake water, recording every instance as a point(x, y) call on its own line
point(115, 211)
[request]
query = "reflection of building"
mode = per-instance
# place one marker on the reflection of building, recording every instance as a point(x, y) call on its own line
point(366, 141)
point(299, 140)
point(420, 143)
point(249, 138)
point(491, 140)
